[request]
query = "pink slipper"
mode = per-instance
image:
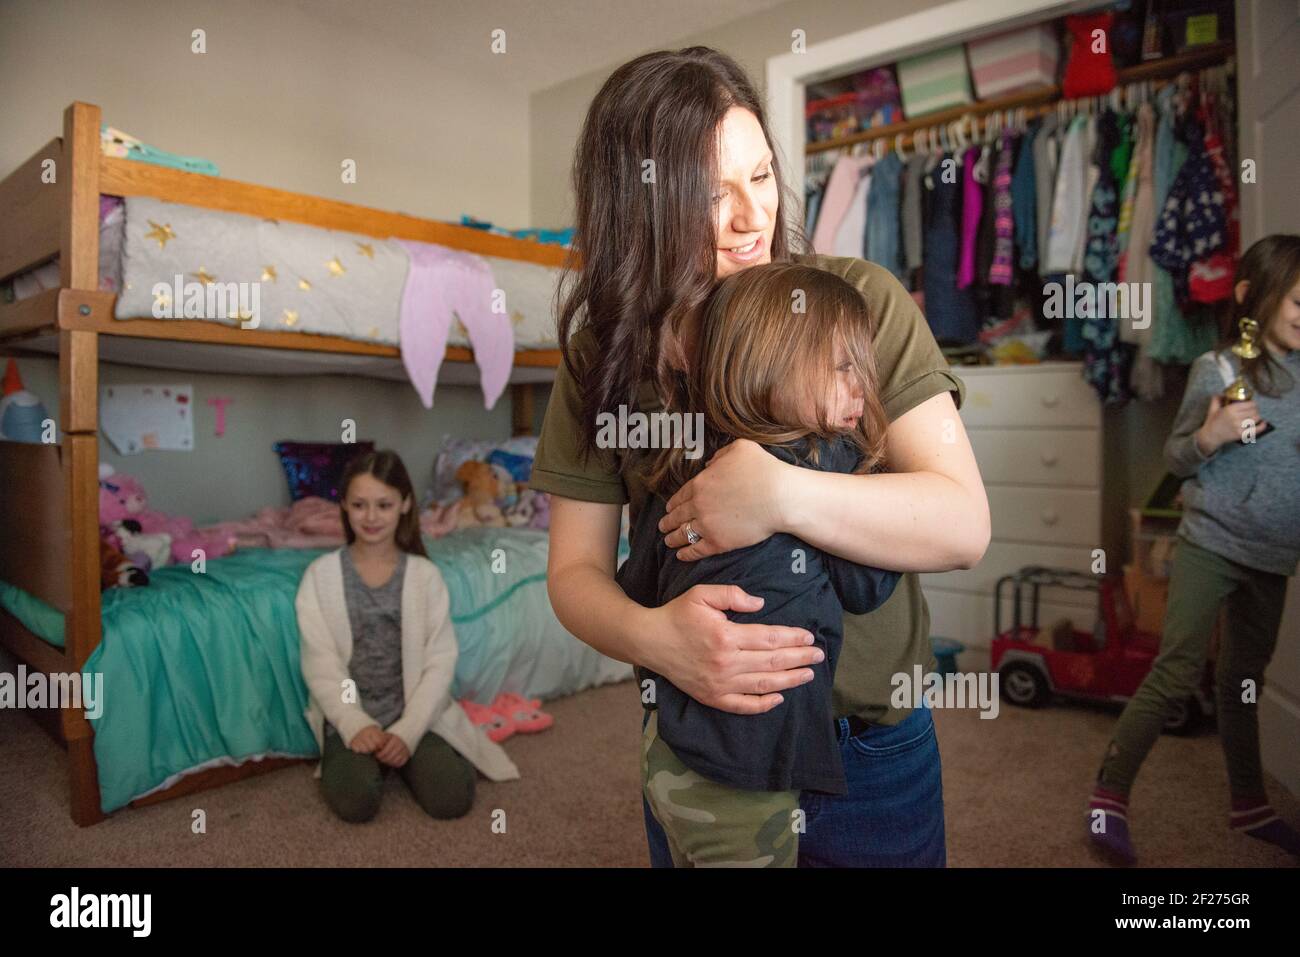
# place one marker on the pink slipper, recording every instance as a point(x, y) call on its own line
point(525, 714)
point(497, 726)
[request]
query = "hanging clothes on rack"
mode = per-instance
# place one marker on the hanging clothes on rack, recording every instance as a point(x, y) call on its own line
point(1177, 338)
point(1103, 215)
point(1046, 155)
point(985, 234)
point(1210, 278)
point(1146, 377)
point(1068, 201)
point(950, 310)
point(1139, 190)
point(1094, 164)
point(912, 211)
point(1192, 225)
point(1105, 357)
point(1024, 211)
point(836, 200)
point(850, 236)
point(1001, 272)
point(884, 231)
point(972, 205)
point(812, 203)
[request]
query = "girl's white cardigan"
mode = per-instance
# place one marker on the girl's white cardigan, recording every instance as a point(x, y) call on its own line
point(429, 653)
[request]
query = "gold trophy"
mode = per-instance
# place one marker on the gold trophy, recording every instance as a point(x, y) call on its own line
point(1239, 390)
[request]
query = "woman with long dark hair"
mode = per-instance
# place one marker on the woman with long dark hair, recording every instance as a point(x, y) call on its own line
point(677, 185)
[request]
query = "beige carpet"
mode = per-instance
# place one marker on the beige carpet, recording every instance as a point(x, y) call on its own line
point(1015, 790)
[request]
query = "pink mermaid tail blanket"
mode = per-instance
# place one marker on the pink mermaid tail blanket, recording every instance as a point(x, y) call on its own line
point(442, 282)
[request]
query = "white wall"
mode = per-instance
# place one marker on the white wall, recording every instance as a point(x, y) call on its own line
point(557, 112)
point(280, 98)
point(235, 475)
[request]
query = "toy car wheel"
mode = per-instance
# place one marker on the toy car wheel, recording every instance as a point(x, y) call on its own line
point(1024, 685)
point(1184, 719)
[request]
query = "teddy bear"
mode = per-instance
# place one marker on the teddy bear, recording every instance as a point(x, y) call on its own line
point(122, 498)
point(478, 507)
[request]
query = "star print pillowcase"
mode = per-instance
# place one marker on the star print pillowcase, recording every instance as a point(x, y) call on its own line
point(183, 262)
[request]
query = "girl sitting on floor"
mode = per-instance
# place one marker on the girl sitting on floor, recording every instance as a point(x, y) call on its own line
point(378, 657)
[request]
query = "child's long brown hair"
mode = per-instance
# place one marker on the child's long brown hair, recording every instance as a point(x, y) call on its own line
point(385, 466)
point(765, 340)
point(1272, 267)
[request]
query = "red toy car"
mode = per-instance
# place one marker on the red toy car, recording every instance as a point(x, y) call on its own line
point(1107, 665)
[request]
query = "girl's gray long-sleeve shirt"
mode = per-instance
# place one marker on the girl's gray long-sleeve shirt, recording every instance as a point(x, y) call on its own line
point(1242, 502)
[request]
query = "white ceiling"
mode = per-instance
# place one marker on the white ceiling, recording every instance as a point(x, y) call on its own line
point(547, 41)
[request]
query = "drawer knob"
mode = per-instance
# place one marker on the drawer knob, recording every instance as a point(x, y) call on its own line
point(1051, 401)
point(1050, 516)
point(1049, 459)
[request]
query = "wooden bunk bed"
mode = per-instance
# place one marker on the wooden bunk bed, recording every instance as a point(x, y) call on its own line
point(49, 512)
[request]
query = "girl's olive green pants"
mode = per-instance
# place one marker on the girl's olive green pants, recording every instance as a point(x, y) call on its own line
point(1202, 582)
point(441, 780)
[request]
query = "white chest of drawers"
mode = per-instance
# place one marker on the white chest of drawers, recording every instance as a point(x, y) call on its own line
point(1037, 435)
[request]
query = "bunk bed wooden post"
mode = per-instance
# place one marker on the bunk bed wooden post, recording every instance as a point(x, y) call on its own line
point(521, 408)
point(79, 412)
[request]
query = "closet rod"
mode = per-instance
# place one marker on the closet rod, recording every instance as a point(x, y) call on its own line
point(1164, 69)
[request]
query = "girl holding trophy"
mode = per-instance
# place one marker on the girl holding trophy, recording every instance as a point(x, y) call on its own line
point(1236, 441)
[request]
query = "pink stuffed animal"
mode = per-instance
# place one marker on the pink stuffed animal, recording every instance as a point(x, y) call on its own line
point(121, 497)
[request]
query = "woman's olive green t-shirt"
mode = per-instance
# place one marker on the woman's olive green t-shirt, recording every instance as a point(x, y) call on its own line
point(894, 637)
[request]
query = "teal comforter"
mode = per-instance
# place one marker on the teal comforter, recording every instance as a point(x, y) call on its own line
point(204, 669)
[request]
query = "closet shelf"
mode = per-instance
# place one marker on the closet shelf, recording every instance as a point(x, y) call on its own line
point(1044, 96)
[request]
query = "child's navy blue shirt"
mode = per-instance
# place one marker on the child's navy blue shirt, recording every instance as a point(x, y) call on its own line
point(794, 746)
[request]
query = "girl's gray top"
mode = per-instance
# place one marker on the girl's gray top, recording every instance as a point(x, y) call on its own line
point(375, 615)
point(1243, 502)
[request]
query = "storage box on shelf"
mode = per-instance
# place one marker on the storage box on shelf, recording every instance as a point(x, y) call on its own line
point(933, 81)
point(1036, 433)
point(1013, 61)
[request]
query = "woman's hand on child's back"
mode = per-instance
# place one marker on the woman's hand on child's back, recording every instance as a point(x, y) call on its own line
point(1226, 422)
point(368, 740)
point(394, 752)
point(740, 668)
point(734, 502)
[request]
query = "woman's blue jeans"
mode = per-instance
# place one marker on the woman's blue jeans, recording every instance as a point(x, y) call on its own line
point(892, 815)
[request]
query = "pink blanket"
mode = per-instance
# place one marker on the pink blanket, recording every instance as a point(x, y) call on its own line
point(310, 522)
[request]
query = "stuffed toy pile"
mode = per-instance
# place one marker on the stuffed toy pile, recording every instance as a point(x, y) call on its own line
point(145, 538)
point(493, 499)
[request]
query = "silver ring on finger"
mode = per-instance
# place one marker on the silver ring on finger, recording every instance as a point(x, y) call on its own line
point(692, 536)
